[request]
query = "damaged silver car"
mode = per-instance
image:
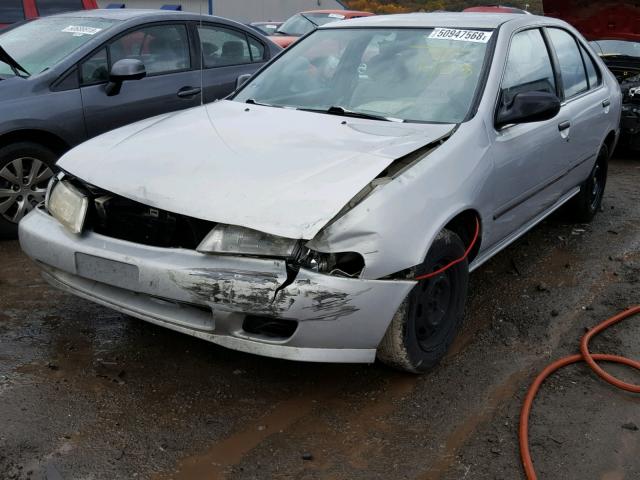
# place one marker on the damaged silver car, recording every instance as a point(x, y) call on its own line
point(332, 208)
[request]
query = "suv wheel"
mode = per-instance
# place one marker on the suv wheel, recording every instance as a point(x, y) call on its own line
point(25, 170)
point(429, 318)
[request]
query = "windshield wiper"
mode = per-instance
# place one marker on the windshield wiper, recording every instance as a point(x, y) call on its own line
point(338, 110)
point(252, 101)
point(15, 66)
point(309, 20)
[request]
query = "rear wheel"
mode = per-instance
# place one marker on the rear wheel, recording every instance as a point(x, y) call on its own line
point(429, 318)
point(584, 206)
point(25, 170)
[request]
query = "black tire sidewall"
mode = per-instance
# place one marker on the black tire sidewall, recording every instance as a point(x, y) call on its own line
point(444, 250)
point(8, 154)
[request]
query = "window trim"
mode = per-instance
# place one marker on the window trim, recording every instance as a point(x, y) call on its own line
point(581, 93)
point(583, 51)
point(118, 36)
point(246, 36)
point(552, 61)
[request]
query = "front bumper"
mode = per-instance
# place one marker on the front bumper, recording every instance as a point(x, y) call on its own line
point(209, 296)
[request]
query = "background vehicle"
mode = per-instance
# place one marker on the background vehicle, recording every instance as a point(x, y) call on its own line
point(612, 29)
point(13, 11)
point(266, 28)
point(89, 72)
point(342, 196)
point(305, 22)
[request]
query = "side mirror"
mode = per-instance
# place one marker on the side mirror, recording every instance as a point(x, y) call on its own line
point(123, 70)
point(528, 107)
point(242, 79)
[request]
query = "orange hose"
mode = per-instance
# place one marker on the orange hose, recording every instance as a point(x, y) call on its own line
point(455, 262)
point(584, 356)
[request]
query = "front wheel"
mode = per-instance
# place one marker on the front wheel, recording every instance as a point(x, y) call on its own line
point(25, 170)
point(584, 206)
point(429, 318)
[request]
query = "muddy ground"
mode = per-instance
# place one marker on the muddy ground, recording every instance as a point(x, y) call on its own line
point(87, 393)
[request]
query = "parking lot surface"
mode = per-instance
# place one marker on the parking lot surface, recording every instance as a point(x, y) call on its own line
point(87, 393)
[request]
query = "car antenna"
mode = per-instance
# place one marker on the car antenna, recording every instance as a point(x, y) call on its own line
point(201, 59)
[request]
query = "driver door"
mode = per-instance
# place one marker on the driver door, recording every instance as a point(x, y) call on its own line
point(530, 159)
point(171, 83)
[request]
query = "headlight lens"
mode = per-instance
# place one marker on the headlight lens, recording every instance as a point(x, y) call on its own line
point(68, 205)
point(229, 239)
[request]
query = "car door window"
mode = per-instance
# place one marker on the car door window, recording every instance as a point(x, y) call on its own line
point(162, 48)
point(95, 69)
point(593, 74)
point(223, 46)
point(11, 11)
point(529, 67)
point(257, 50)
point(51, 7)
point(574, 77)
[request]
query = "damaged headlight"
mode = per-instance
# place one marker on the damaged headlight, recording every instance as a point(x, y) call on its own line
point(67, 204)
point(344, 264)
point(229, 239)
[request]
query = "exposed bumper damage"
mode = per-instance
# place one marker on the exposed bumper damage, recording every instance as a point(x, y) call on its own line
point(248, 304)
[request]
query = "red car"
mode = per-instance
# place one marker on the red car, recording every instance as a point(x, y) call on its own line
point(305, 22)
point(13, 11)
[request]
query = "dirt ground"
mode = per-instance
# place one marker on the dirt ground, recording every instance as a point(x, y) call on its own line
point(87, 393)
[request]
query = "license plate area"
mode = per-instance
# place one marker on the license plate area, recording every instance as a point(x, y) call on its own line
point(111, 272)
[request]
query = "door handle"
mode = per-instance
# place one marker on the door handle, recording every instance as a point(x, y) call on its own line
point(187, 92)
point(564, 126)
point(606, 103)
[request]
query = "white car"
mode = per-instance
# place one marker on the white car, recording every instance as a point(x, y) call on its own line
point(332, 209)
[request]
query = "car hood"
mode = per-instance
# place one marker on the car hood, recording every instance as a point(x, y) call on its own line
point(601, 20)
point(281, 171)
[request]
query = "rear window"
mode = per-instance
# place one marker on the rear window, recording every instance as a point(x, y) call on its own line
point(51, 7)
point(11, 11)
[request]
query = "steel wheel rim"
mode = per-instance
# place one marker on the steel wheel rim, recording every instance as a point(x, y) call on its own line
point(23, 185)
point(431, 308)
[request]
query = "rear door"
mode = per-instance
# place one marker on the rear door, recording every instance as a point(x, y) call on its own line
point(171, 83)
point(529, 158)
point(586, 102)
point(227, 53)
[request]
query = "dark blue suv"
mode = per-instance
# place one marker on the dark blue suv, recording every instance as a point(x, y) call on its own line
point(70, 77)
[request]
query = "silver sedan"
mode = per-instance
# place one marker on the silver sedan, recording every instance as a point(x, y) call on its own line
point(332, 208)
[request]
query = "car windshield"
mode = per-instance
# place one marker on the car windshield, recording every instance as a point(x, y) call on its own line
point(617, 48)
point(420, 75)
point(303, 23)
point(41, 44)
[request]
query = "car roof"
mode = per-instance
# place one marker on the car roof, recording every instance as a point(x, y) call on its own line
point(125, 14)
point(438, 19)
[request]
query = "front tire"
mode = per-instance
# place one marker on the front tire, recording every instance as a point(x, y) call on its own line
point(428, 320)
point(584, 206)
point(25, 170)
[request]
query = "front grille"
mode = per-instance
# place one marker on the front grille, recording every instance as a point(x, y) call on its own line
point(118, 217)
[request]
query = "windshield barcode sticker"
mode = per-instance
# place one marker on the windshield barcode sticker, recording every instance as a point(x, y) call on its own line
point(79, 31)
point(461, 35)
